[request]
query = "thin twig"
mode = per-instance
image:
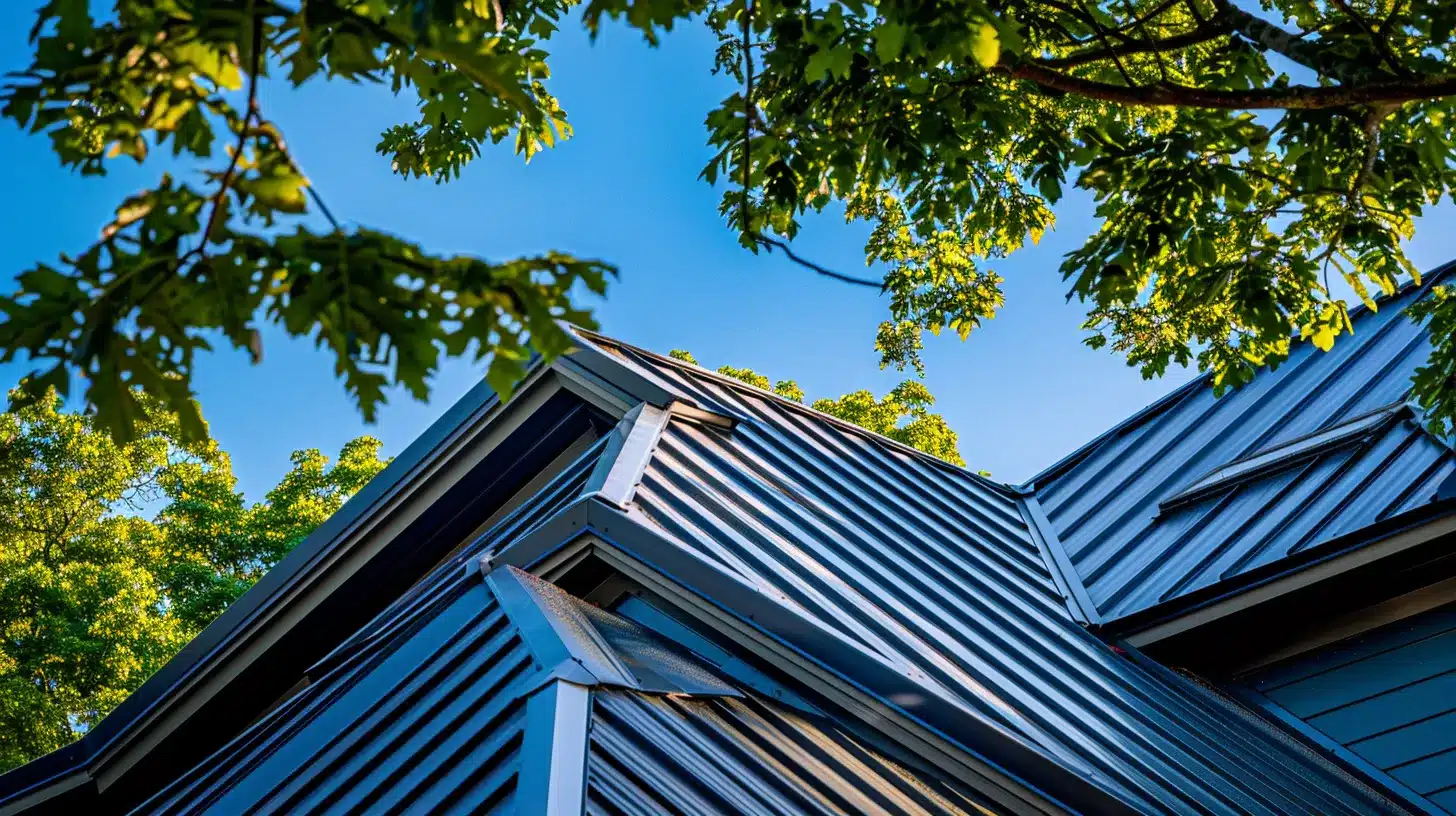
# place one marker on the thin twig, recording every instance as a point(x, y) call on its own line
point(248, 116)
point(773, 244)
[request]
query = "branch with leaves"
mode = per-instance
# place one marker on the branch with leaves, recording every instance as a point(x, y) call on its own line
point(1239, 159)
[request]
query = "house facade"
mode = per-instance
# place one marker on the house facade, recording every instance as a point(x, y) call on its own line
point(639, 587)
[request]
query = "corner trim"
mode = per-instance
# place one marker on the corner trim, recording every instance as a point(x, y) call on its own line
point(552, 779)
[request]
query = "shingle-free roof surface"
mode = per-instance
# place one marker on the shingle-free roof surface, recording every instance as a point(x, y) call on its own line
point(653, 754)
point(932, 571)
point(1131, 555)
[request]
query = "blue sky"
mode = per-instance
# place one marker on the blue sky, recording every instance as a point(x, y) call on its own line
point(1022, 391)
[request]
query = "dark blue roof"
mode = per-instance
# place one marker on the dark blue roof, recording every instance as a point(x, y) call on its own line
point(1116, 508)
point(929, 575)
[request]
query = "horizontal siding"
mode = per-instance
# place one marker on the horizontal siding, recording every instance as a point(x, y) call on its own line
point(652, 755)
point(1389, 696)
point(1132, 555)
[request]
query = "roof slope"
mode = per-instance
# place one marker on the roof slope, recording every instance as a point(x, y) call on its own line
point(1289, 489)
point(653, 754)
point(441, 714)
point(930, 574)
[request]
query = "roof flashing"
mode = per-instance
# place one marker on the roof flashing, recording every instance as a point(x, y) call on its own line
point(1284, 455)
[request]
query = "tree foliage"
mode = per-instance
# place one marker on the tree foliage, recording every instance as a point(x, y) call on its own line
point(96, 592)
point(1244, 161)
point(902, 415)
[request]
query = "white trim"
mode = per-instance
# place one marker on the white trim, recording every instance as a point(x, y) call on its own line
point(616, 481)
point(552, 778)
point(1370, 553)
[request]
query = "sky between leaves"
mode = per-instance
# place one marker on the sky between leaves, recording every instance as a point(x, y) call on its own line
point(1021, 392)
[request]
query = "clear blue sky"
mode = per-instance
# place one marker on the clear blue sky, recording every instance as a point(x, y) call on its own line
point(1022, 391)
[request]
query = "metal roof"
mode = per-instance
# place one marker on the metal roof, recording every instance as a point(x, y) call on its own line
point(654, 754)
point(1198, 490)
point(478, 696)
point(932, 574)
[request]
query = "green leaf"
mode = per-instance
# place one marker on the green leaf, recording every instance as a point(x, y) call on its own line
point(986, 45)
point(889, 41)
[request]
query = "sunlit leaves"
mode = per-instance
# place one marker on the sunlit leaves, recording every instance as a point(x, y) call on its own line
point(182, 265)
point(115, 556)
point(1221, 234)
point(902, 415)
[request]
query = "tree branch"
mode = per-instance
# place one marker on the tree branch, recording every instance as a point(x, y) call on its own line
point(773, 244)
point(1178, 41)
point(1297, 97)
point(1312, 55)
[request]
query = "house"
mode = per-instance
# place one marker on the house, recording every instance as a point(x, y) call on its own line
point(640, 587)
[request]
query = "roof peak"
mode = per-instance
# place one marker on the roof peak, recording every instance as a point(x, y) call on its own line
point(798, 407)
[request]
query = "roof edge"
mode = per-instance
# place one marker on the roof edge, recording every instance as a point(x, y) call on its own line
point(798, 407)
point(1201, 380)
point(1176, 615)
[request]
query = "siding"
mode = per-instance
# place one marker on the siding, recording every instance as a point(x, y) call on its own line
point(1131, 555)
point(1388, 696)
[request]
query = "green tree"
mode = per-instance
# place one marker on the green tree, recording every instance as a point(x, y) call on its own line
point(902, 415)
point(95, 595)
point(1242, 161)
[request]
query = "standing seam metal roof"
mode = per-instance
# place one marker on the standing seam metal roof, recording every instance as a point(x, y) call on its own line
point(929, 569)
point(433, 713)
point(1131, 554)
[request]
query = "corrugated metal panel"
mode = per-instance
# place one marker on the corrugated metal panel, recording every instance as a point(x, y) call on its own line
point(931, 568)
point(1104, 505)
point(425, 718)
point(1389, 696)
point(651, 755)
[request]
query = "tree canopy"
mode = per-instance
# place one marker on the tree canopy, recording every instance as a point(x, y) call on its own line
point(115, 556)
point(902, 415)
point(1248, 163)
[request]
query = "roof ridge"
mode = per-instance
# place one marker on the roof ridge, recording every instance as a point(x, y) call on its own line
point(1201, 379)
point(1006, 488)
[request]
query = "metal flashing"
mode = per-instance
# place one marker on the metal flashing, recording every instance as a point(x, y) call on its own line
point(1262, 463)
point(1068, 582)
point(553, 754)
point(628, 543)
point(544, 637)
point(628, 451)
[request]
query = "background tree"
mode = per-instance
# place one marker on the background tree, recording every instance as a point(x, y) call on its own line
point(902, 415)
point(1245, 160)
point(94, 595)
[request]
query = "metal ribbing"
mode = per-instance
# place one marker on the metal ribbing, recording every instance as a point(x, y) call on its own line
point(654, 754)
point(937, 574)
point(1131, 555)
